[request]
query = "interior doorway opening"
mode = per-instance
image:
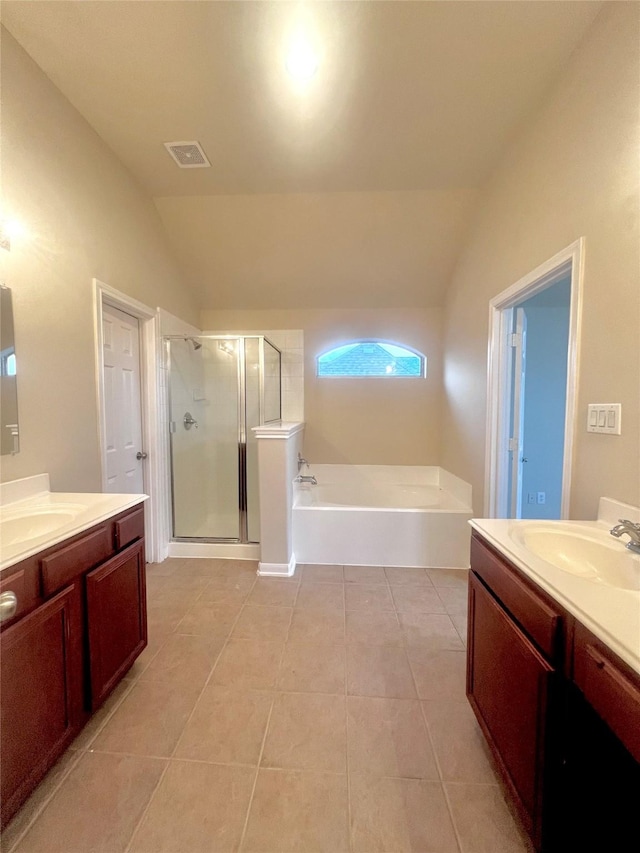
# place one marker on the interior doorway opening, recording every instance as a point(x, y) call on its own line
point(532, 381)
point(539, 343)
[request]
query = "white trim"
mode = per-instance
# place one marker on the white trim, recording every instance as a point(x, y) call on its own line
point(278, 570)
point(215, 550)
point(279, 430)
point(149, 363)
point(570, 259)
point(168, 325)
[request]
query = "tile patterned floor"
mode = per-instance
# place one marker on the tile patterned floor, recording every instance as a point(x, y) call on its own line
point(322, 713)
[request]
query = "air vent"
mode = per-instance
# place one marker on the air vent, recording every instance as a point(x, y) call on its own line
point(188, 155)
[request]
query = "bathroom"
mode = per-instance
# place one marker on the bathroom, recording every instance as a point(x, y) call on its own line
point(393, 246)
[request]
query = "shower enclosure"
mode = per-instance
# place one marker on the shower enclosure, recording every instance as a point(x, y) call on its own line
point(219, 388)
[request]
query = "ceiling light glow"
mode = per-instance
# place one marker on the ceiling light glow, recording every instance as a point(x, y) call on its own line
point(302, 61)
point(11, 229)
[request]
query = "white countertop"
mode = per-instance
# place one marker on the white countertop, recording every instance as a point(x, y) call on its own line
point(74, 512)
point(611, 613)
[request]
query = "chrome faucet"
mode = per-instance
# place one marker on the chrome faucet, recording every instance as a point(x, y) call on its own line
point(309, 479)
point(632, 530)
point(301, 461)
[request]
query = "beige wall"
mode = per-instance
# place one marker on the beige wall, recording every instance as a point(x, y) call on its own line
point(319, 250)
point(360, 421)
point(573, 172)
point(86, 217)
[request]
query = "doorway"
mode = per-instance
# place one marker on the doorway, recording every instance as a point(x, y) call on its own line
point(107, 298)
point(539, 344)
point(533, 363)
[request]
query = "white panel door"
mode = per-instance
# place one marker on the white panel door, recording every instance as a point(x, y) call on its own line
point(122, 402)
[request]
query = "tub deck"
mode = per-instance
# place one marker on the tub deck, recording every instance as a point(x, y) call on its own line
point(383, 515)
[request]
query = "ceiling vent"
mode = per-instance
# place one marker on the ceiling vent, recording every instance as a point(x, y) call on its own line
point(188, 155)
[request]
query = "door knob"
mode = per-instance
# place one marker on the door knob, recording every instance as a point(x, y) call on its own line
point(141, 454)
point(189, 421)
point(8, 605)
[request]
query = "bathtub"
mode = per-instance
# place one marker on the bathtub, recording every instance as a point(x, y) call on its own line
point(382, 515)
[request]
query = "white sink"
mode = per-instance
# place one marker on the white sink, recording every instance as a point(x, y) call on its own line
point(582, 551)
point(22, 526)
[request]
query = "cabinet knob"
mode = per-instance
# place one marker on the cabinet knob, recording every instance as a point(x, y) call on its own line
point(8, 605)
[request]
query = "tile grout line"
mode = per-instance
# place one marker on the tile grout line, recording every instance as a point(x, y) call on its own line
point(38, 812)
point(440, 773)
point(274, 691)
point(346, 723)
point(255, 780)
point(436, 759)
point(444, 787)
point(170, 758)
point(72, 764)
point(79, 754)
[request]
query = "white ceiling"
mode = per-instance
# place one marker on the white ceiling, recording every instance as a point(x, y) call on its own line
point(408, 95)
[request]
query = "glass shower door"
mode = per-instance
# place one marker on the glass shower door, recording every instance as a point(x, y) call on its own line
point(204, 413)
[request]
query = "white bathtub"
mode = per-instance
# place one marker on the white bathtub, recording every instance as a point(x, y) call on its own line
point(361, 515)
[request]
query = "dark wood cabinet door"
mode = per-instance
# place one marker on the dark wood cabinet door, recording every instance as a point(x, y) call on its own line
point(116, 619)
point(40, 674)
point(510, 687)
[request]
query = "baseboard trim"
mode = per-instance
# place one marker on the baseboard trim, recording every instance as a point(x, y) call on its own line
point(278, 570)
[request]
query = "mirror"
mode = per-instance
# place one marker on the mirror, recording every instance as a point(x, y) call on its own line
point(9, 439)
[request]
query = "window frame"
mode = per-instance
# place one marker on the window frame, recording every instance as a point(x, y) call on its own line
point(384, 342)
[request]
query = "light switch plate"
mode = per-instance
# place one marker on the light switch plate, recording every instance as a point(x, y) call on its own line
point(604, 417)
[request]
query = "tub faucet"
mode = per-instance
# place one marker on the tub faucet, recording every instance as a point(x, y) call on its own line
point(301, 461)
point(302, 479)
point(632, 530)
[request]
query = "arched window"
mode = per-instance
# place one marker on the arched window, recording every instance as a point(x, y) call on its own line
point(372, 358)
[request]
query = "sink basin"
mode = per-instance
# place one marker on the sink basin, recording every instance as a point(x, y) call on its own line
point(22, 526)
point(582, 551)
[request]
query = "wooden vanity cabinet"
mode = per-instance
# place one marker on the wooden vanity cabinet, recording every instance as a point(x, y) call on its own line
point(512, 684)
point(79, 625)
point(609, 686)
point(560, 711)
point(116, 619)
point(41, 698)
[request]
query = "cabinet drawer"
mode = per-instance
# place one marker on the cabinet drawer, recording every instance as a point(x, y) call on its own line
point(67, 563)
point(537, 617)
point(611, 690)
point(129, 528)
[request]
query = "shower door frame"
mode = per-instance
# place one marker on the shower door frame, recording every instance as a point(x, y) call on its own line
point(243, 538)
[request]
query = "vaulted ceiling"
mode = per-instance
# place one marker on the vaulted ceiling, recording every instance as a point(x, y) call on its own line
point(409, 97)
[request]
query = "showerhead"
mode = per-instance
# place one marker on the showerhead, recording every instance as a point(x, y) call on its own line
point(194, 343)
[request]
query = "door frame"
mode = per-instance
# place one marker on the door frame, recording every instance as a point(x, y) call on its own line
point(568, 260)
point(149, 398)
point(517, 401)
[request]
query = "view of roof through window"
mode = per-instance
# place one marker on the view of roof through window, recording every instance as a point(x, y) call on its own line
point(372, 358)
